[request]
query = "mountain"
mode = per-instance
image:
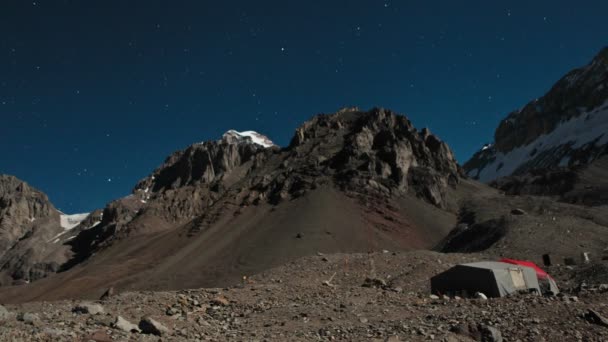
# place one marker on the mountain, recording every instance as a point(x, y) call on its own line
point(353, 181)
point(553, 139)
point(31, 230)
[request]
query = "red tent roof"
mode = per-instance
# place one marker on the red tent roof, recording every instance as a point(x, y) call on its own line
point(539, 271)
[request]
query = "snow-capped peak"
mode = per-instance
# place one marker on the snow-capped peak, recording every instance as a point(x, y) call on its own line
point(71, 221)
point(250, 136)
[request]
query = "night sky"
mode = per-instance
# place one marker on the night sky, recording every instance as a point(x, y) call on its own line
point(95, 94)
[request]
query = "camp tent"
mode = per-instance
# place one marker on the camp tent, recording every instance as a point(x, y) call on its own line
point(547, 283)
point(494, 279)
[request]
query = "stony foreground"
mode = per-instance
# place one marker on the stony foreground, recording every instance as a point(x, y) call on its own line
point(320, 298)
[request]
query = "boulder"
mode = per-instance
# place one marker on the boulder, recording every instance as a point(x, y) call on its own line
point(595, 317)
point(152, 327)
point(4, 313)
point(220, 300)
point(88, 308)
point(490, 334)
point(124, 325)
point(518, 211)
point(28, 318)
point(481, 296)
point(109, 293)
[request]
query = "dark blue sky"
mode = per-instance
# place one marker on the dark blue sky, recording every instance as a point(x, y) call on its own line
point(95, 94)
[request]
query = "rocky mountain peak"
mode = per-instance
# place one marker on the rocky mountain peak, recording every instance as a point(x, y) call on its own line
point(28, 222)
point(375, 153)
point(381, 148)
point(20, 203)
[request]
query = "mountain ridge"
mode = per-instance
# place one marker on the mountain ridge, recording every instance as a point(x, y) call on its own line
point(367, 167)
point(564, 128)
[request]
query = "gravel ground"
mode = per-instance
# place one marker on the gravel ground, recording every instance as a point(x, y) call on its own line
point(321, 298)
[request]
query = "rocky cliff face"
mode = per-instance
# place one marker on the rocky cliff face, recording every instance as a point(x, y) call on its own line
point(565, 128)
point(378, 151)
point(28, 224)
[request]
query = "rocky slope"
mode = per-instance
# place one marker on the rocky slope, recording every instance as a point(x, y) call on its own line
point(352, 181)
point(565, 129)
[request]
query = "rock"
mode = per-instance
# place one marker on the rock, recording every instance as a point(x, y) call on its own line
point(125, 325)
point(481, 296)
point(4, 313)
point(434, 297)
point(363, 320)
point(149, 326)
point(109, 293)
point(99, 336)
point(88, 308)
point(518, 211)
point(220, 300)
point(374, 283)
point(27, 220)
point(595, 317)
point(490, 334)
point(28, 318)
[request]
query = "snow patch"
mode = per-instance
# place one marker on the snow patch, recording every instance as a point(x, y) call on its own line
point(57, 238)
point(255, 137)
point(70, 221)
point(95, 224)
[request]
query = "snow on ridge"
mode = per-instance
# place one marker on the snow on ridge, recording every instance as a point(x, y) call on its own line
point(255, 137)
point(71, 221)
point(576, 132)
